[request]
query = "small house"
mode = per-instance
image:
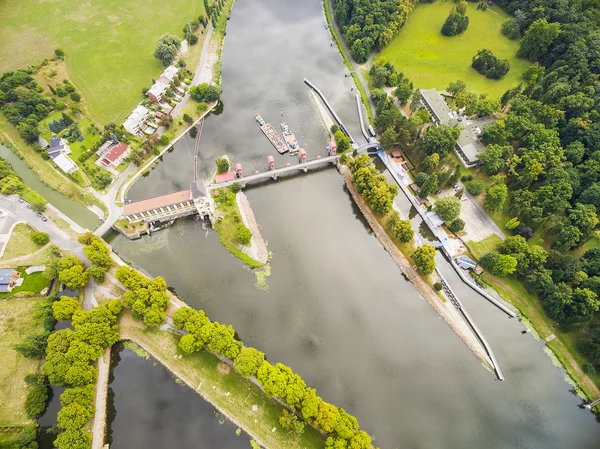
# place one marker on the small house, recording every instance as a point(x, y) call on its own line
point(8, 278)
point(156, 92)
point(65, 163)
point(396, 154)
point(56, 147)
point(43, 143)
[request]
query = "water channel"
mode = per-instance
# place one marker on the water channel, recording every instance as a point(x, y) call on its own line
point(76, 211)
point(334, 307)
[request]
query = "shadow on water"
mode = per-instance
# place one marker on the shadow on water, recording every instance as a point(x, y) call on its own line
point(149, 409)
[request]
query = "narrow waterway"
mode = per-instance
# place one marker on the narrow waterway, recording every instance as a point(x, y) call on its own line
point(335, 307)
point(76, 211)
point(148, 409)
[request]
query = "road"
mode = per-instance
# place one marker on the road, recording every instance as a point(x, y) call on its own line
point(110, 199)
point(199, 72)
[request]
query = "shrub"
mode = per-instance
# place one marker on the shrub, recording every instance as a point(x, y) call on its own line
point(64, 308)
point(236, 187)
point(37, 396)
point(202, 107)
point(40, 238)
point(243, 235)
point(457, 225)
point(588, 368)
point(187, 118)
point(222, 165)
point(438, 287)
point(75, 96)
point(59, 53)
point(476, 187)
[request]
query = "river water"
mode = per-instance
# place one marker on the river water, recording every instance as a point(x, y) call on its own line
point(334, 306)
point(76, 211)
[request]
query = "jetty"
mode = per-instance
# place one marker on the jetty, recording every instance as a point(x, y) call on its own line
point(274, 138)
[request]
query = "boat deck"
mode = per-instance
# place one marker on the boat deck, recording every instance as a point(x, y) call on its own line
point(291, 141)
point(275, 139)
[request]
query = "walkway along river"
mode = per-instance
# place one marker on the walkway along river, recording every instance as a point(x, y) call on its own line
point(335, 307)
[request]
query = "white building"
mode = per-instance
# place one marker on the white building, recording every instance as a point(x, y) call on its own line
point(135, 122)
point(65, 163)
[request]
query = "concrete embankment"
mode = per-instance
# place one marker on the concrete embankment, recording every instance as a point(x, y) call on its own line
point(447, 313)
point(99, 425)
point(258, 248)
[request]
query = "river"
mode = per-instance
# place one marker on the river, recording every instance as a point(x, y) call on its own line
point(76, 211)
point(335, 307)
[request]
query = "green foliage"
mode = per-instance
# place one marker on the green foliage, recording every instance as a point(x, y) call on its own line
point(167, 48)
point(448, 208)
point(372, 185)
point(147, 299)
point(248, 362)
point(222, 165)
point(290, 421)
point(181, 317)
point(74, 277)
point(35, 404)
point(96, 272)
point(206, 92)
point(40, 238)
point(440, 139)
point(538, 38)
point(98, 253)
point(457, 21)
point(495, 197)
point(438, 287)
point(33, 346)
point(457, 225)
point(511, 29)
point(424, 259)
point(243, 234)
point(476, 187)
point(489, 65)
point(65, 308)
point(402, 230)
point(342, 141)
point(74, 439)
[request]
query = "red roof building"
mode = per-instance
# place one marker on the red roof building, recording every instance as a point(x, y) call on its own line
point(116, 155)
point(223, 177)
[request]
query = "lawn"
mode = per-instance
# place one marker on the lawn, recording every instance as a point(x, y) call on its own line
point(484, 246)
point(432, 60)
point(34, 283)
point(231, 393)
point(20, 243)
point(108, 47)
point(17, 319)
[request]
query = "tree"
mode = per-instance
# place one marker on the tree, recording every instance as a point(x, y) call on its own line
point(248, 362)
point(389, 138)
point(498, 264)
point(457, 21)
point(74, 439)
point(511, 29)
point(476, 187)
point(424, 259)
point(421, 178)
point(167, 48)
point(495, 197)
point(65, 308)
point(448, 208)
point(538, 38)
point(59, 53)
point(327, 417)
point(404, 90)
point(431, 162)
point(74, 277)
point(310, 404)
point(97, 272)
point(38, 206)
point(98, 254)
point(222, 165)
point(456, 87)
point(457, 225)
point(33, 346)
point(440, 139)
point(402, 230)
point(243, 234)
point(40, 238)
point(430, 186)
point(342, 141)
point(486, 63)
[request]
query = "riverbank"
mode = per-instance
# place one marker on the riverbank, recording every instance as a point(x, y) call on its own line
point(99, 420)
point(446, 310)
point(258, 248)
point(238, 399)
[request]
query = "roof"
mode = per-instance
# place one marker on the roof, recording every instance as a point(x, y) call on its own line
point(157, 89)
point(64, 163)
point(105, 146)
point(115, 152)
point(5, 274)
point(156, 202)
point(396, 154)
point(170, 72)
point(198, 189)
point(56, 143)
point(135, 117)
point(53, 153)
point(437, 104)
point(227, 176)
point(43, 142)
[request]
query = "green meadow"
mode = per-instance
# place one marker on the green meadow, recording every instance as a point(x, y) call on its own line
point(432, 60)
point(108, 44)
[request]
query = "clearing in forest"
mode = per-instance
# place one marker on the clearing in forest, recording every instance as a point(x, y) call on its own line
point(432, 60)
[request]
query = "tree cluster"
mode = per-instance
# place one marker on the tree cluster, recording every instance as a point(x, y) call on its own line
point(97, 253)
point(424, 259)
point(206, 92)
point(26, 439)
point(68, 270)
point(486, 63)
point(457, 21)
point(372, 185)
point(167, 48)
point(400, 229)
point(367, 24)
point(148, 299)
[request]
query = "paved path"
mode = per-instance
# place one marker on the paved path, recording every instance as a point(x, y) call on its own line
point(110, 199)
point(199, 73)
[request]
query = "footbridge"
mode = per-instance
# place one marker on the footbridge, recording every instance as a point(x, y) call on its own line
point(274, 173)
point(330, 108)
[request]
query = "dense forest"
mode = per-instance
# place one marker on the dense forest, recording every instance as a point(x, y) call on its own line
point(370, 24)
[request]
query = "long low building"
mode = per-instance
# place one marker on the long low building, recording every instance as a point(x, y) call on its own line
point(195, 200)
point(468, 145)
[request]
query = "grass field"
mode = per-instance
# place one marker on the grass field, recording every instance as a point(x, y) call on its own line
point(33, 283)
point(108, 46)
point(432, 60)
point(20, 243)
point(16, 321)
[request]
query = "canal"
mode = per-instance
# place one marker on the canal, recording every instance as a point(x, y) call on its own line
point(76, 211)
point(334, 306)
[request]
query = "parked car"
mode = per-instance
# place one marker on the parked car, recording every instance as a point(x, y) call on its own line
point(456, 187)
point(438, 192)
point(39, 214)
point(44, 218)
point(21, 200)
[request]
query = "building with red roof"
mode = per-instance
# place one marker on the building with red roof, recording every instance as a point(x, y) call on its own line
point(115, 156)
